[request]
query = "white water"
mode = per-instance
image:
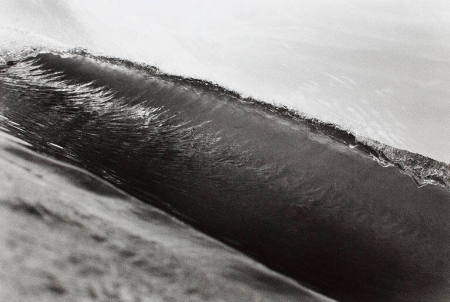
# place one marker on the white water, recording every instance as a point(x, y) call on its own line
point(379, 68)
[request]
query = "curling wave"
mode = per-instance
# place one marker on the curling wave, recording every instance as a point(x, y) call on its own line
point(352, 218)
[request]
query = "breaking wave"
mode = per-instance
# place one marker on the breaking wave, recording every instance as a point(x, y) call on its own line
point(306, 198)
point(422, 169)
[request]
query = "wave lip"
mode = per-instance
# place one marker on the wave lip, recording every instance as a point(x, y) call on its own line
point(422, 169)
point(305, 198)
point(375, 82)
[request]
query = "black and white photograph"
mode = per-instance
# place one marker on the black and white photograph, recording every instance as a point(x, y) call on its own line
point(224, 150)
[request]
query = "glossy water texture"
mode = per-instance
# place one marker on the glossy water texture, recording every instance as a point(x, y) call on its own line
point(69, 236)
point(379, 68)
point(302, 198)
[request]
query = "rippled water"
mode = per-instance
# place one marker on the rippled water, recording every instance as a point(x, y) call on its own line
point(359, 215)
point(358, 221)
point(377, 68)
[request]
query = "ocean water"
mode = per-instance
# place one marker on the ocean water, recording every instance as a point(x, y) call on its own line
point(312, 137)
point(377, 68)
point(355, 221)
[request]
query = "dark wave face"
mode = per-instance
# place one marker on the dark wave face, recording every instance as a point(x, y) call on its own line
point(300, 198)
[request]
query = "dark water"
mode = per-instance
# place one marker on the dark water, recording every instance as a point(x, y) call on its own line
point(301, 197)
